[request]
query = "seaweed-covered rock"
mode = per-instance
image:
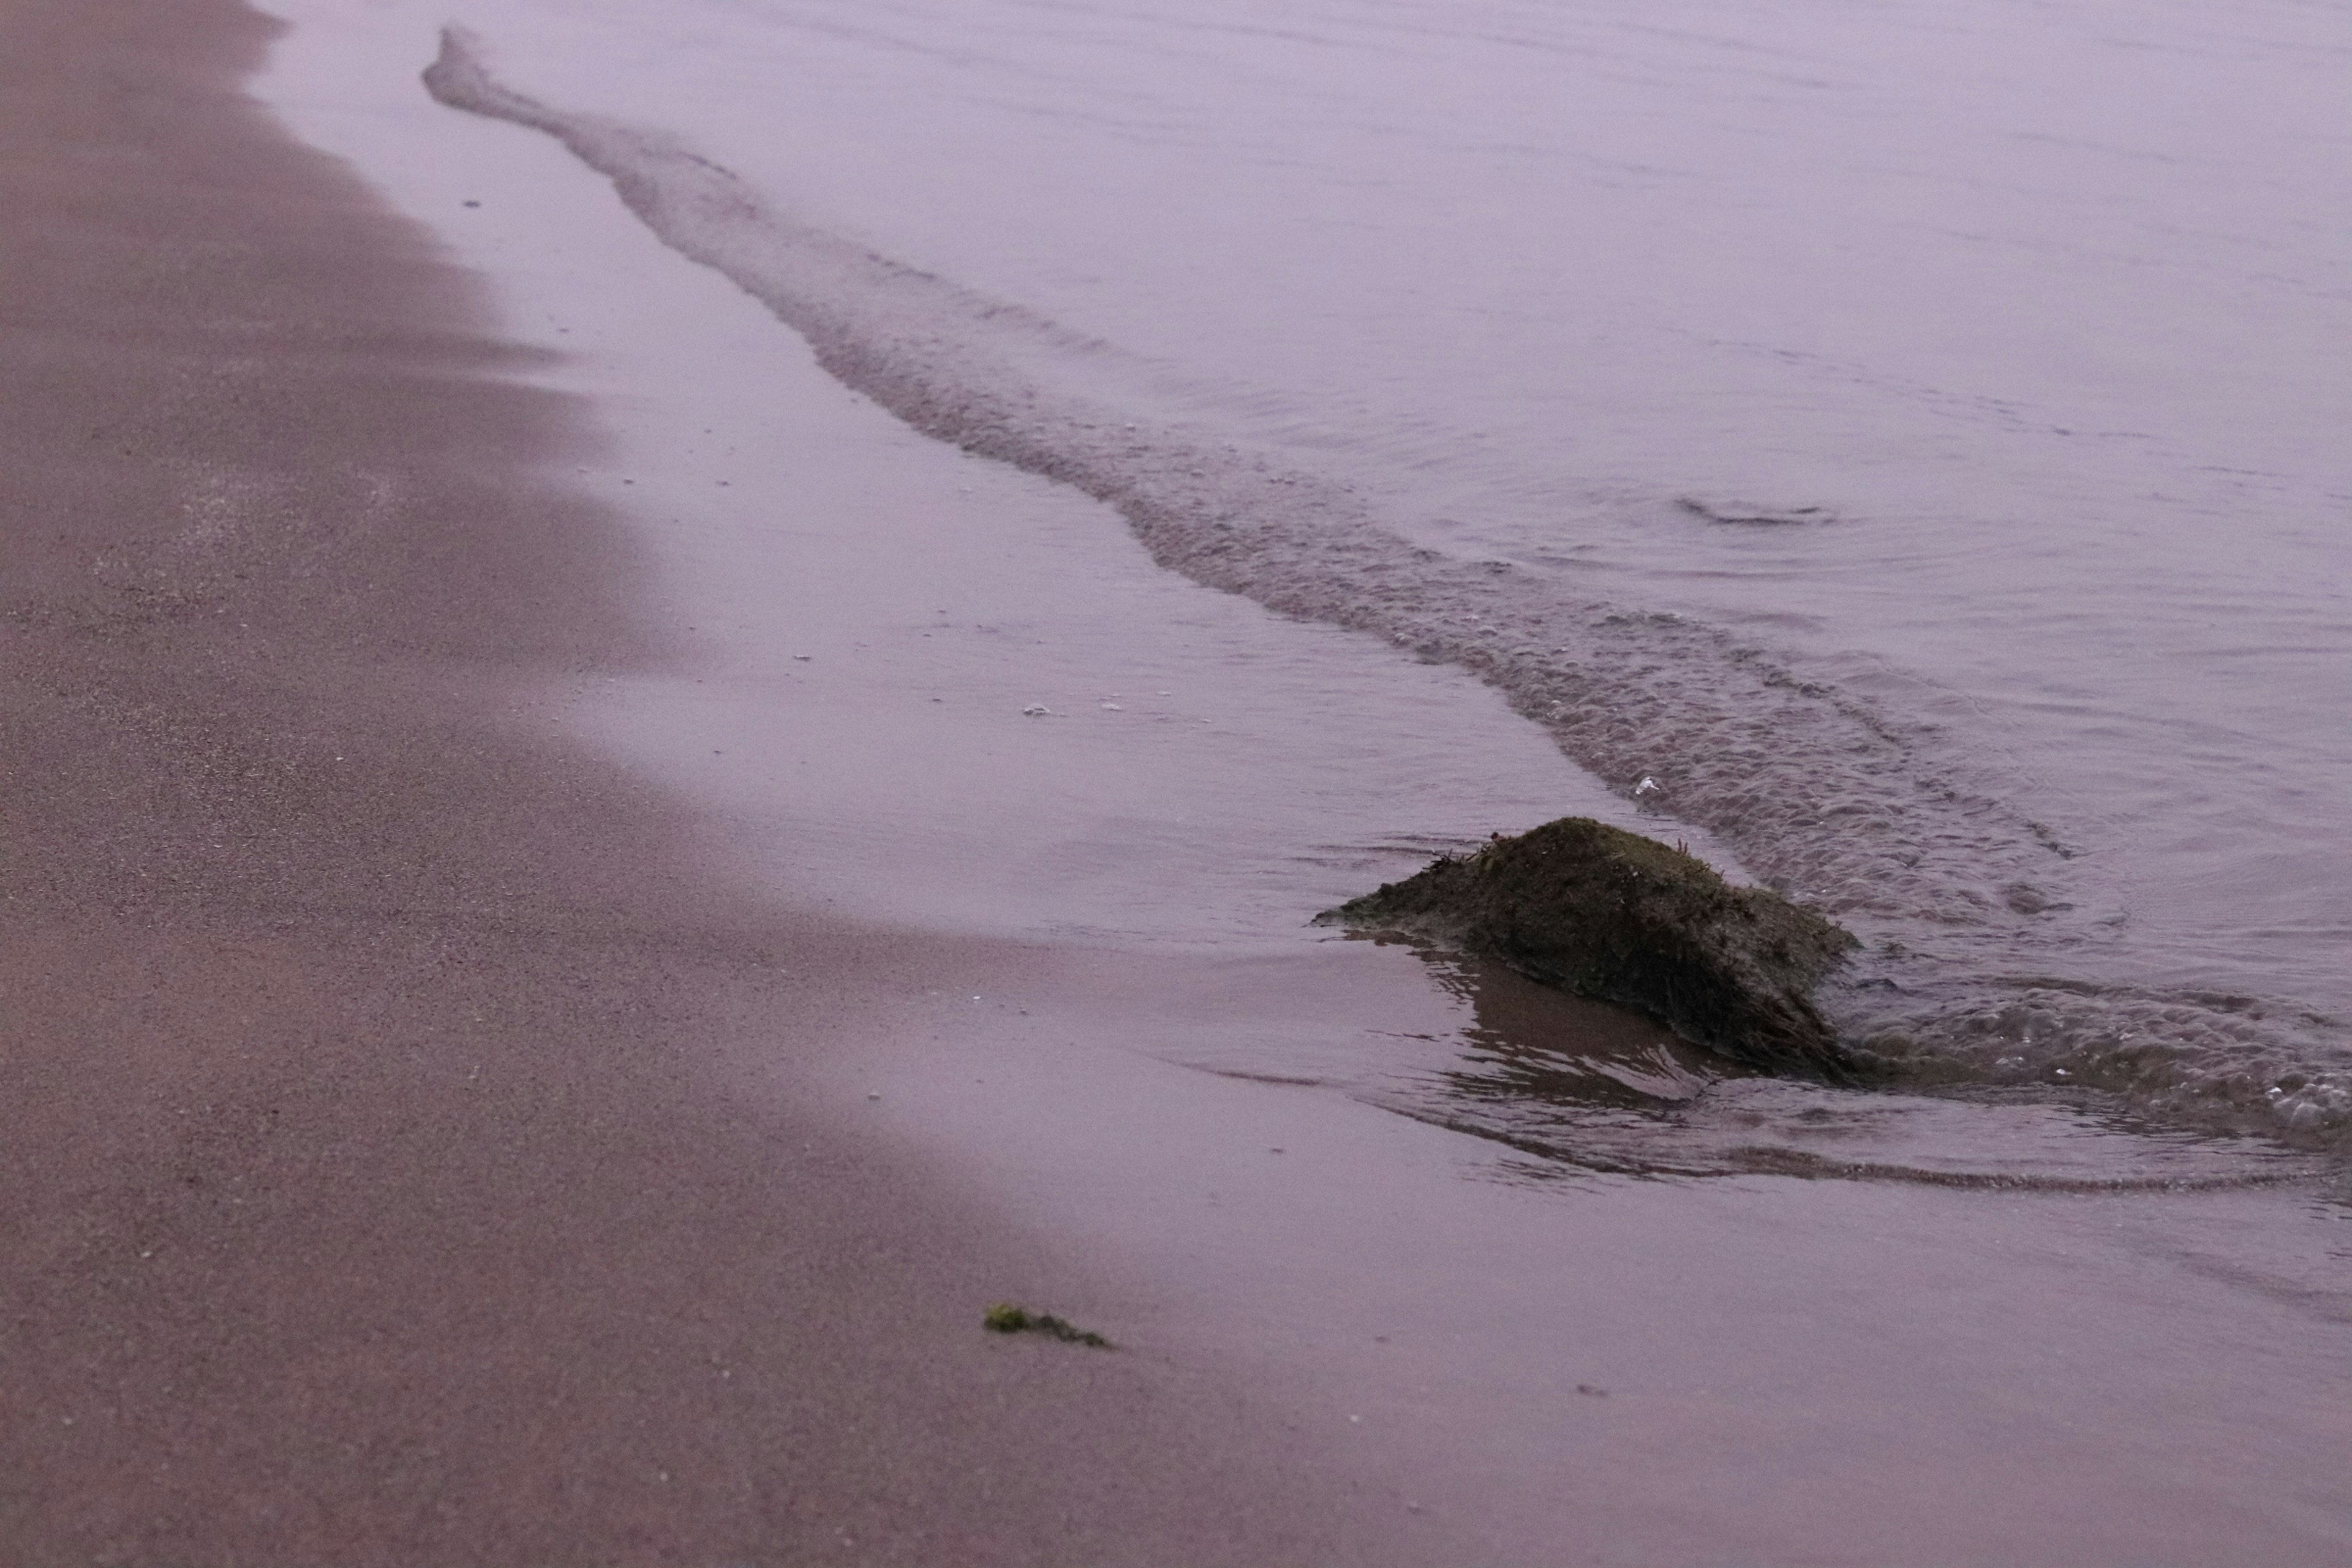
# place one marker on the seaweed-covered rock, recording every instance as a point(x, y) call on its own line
point(1624, 918)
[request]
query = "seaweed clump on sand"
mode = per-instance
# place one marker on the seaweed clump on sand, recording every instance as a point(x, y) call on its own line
point(1005, 1318)
point(1622, 919)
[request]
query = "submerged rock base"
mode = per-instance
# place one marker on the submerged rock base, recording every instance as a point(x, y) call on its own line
point(1622, 919)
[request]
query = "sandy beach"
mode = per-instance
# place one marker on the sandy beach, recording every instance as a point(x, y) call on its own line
point(548, 981)
point(373, 1199)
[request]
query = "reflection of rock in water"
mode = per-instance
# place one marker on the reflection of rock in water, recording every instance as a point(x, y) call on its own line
point(1622, 919)
point(1578, 1084)
point(1529, 1043)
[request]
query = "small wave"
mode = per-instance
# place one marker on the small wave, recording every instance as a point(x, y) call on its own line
point(1577, 1087)
point(1743, 514)
point(2230, 1062)
point(1633, 1147)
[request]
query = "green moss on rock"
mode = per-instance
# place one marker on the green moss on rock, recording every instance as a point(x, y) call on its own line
point(1611, 915)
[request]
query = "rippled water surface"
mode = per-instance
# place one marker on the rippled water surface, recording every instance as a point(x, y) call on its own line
point(1910, 439)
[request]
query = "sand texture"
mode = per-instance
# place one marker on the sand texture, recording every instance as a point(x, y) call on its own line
point(378, 1189)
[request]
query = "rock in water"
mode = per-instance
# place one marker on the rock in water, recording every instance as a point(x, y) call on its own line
point(1624, 918)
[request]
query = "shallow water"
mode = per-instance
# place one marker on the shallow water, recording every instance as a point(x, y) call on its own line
point(1910, 442)
point(1906, 441)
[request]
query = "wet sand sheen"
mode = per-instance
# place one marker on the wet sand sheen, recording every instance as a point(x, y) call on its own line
point(383, 1185)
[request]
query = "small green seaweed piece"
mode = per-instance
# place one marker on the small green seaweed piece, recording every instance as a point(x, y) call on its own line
point(1005, 1318)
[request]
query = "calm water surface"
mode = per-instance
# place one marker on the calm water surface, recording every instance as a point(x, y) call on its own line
point(1911, 441)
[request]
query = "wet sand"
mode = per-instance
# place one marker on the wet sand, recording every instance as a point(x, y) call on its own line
point(380, 1186)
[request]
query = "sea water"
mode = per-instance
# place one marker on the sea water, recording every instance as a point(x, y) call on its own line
point(1905, 445)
